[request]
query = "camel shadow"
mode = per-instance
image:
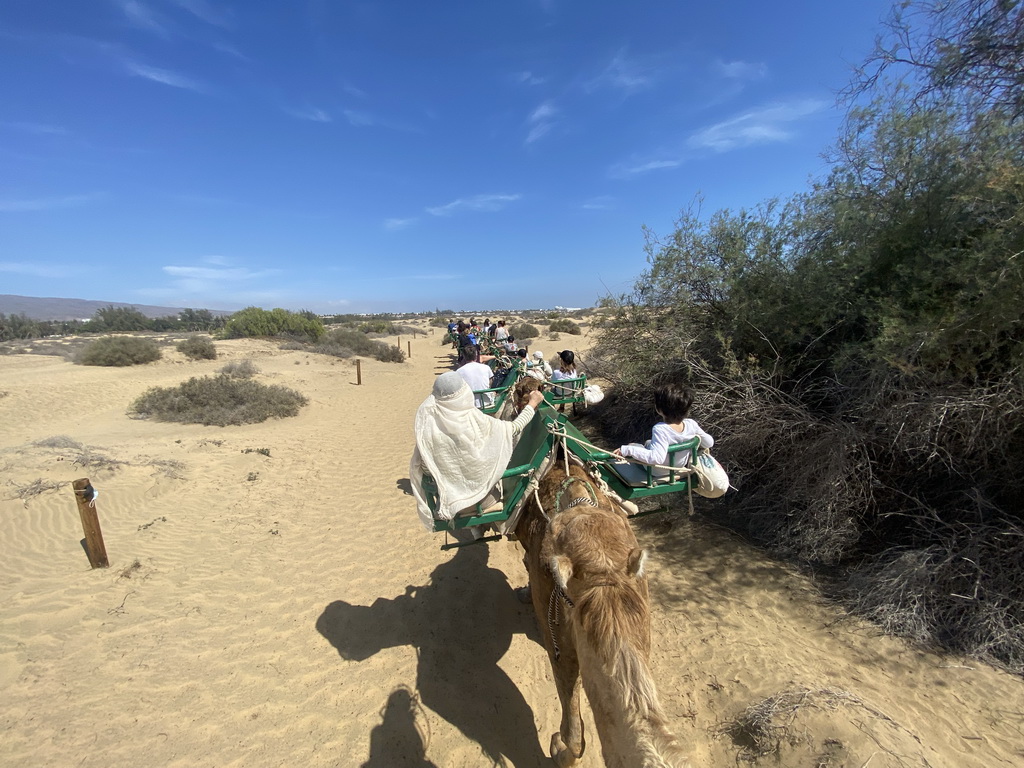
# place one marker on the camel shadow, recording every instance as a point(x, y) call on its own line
point(400, 741)
point(404, 485)
point(461, 624)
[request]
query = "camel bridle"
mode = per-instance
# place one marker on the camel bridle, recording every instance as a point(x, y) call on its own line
point(558, 595)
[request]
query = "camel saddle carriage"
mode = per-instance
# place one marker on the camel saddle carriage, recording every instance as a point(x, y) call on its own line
point(532, 457)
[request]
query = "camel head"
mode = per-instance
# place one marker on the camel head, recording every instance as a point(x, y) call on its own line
point(593, 555)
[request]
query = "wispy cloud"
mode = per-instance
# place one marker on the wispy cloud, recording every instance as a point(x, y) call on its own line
point(208, 12)
point(600, 203)
point(399, 223)
point(163, 76)
point(313, 114)
point(45, 203)
point(219, 274)
point(475, 203)
point(434, 277)
point(219, 282)
point(36, 269)
point(37, 128)
point(622, 74)
point(637, 168)
point(144, 17)
point(541, 120)
point(528, 78)
point(763, 125)
point(362, 119)
point(740, 70)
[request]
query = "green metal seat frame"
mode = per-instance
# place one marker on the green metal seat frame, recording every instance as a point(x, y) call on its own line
point(566, 391)
point(528, 457)
point(629, 480)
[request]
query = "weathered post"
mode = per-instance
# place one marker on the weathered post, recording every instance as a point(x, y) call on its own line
point(408, 346)
point(398, 343)
point(85, 496)
point(359, 371)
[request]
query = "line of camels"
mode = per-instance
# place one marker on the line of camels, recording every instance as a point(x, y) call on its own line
point(592, 604)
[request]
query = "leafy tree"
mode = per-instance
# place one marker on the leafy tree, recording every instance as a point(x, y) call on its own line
point(254, 321)
point(969, 51)
point(113, 319)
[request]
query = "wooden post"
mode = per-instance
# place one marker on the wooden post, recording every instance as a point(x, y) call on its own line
point(399, 342)
point(85, 495)
point(359, 371)
point(408, 346)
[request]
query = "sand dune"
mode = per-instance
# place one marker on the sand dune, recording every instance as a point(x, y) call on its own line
point(288, 609)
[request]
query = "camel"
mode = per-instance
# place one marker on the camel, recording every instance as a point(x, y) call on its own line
point(590, 595)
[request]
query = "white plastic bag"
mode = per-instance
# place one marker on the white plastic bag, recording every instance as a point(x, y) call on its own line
point(592, 394)
point(714, 481)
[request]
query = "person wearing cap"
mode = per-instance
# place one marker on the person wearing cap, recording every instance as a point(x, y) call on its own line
point(538, 367)
point(464, 450)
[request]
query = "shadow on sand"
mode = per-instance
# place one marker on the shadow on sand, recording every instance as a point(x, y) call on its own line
point(461, 624)
point(400, 741)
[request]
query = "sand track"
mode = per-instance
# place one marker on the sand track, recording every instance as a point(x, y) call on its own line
point(288, 609)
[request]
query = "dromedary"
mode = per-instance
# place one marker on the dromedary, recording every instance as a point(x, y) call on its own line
point(590, 594)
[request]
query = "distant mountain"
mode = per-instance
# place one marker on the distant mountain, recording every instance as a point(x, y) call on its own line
point(77, 309)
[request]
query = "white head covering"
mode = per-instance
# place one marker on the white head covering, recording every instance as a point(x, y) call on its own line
point(464, 450)
point(539, 355)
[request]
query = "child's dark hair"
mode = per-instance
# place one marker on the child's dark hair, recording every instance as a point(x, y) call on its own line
point(673, 401)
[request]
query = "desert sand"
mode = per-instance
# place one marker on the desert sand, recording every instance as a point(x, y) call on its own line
point(272, 600)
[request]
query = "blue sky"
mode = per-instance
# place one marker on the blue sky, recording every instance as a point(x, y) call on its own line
point(347, 156)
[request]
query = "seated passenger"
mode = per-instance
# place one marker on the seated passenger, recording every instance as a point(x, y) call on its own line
point(538, 367)
point(673, 403)
point(464, 450)
point(476, 375)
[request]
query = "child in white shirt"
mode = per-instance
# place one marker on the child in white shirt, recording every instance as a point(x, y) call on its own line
point(673, 403)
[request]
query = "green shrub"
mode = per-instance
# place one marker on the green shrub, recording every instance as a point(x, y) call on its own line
point(564, 325)
point(198, 348)
point(119, 351)
point(345, 342)
point(219, 400)
point(523, 331)
point(253, 321)
point(240, 369)
point(389, 354)
point(385, 327)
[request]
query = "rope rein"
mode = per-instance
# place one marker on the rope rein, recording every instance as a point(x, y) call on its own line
point(560, 433)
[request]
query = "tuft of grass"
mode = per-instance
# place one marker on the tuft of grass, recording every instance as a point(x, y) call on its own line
point(240, 369)
point(198, 348)
point(119, 351)
point(218, 401)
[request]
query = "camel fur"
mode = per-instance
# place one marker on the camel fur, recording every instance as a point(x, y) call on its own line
point(600, 634)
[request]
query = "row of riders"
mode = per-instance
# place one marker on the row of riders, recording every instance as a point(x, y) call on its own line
point(526, 473)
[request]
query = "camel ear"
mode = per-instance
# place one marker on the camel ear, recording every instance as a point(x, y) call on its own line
point(636, 562)
point(561, 570)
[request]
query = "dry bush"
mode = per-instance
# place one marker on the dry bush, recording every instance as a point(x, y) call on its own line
point(219, 401)
point(119, 351)
point(240, 369)
point(36, 488)
point(963, 593)
point(820, 727)
point(198, 348)
point(523, 331)
point(345, 342)
point(564, 325)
